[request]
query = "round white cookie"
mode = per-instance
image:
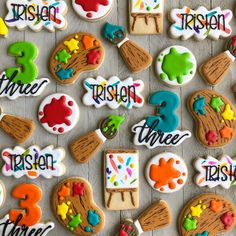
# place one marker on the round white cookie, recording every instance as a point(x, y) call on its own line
point(58, 113)
point(166, 172)
point(92, 10)
point(2, 193)
point(176, 66)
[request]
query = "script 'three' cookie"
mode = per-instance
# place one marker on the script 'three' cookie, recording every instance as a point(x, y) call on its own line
point(166, 172)
point(58, 113)
point(3, 28)
point(214, 172)
point(36, 14)
point(77, 53)
point(92, 10)
point(121, 168)
point(200, 23)
point(113, 92)
point(146, 16)
point(75, 209)
point(207, 215)
point(176, 66)
point(215, 118)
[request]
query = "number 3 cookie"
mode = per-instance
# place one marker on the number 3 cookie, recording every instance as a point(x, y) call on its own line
point(74, 207)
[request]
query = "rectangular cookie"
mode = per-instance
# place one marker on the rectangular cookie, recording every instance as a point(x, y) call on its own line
point(121, 179)
point(146, 16)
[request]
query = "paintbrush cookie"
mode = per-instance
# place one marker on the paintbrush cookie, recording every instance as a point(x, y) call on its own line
point(113, 92)
point(176, 66)
point(58, 113)
point(36, 14)
point(215, 118)
point(200, 23)
point(207, 215)
point(92, 10)
point(75, 209)
point(166, 172)
point(77, 53)
point(121, 179)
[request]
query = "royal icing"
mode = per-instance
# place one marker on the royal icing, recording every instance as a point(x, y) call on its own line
point(58, 113)
point(166, 172)
point(213, 172)
point(161, 130)
point(92, 10)
point(176, 66)
point(113, 92)
point(77, 53)
point(2, 193)
point(33, 162)
point(36, 14)
point(3, 28)
point(200, 23)
point(121, 178)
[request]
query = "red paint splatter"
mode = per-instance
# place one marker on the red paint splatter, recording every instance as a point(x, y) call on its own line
point(78, 189)
point(227, 219)
point(93, 57)
point(70, 103)
point(89, 15)
point(56, 112)
point(91, 5)
point(211, 137)
point(61, 130)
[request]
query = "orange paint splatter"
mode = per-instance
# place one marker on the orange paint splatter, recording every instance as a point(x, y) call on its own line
point(63, 192)
point(88, 42)
point(180, 181)
point(216, 206)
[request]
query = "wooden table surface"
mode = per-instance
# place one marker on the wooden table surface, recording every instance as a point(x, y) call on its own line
point(90, 117)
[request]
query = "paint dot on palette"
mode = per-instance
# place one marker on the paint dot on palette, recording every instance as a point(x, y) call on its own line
point(116, 183)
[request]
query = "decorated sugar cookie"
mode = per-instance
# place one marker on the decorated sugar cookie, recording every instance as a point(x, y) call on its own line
point(146, 16)
point(161, 129)
point(121, 179)
point(136, 58)
point(2, 193)
point(19, 128)
point(207, 215)
point(176, 66)
point(36, 14)
point(3, 28)
point(166, 172)
point(75, 209)
point(213, 172)
point(113, 92)
point(21, 81)
point(92, 10)
point(215, 118)
point(200, 23)
point(58, 113)
point(77, 53)
point(158, 215)
point(216, 68)
point(85, 147)
point(33, 162)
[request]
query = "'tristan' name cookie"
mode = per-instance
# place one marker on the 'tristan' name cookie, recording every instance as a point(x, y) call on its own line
point(77, 53)
point(200, 23)
point(121, 179)
point(166, 172)
point(74, 207)
point(176, 66)
point(207, 215)
point(215, 118)
point(113, 92)
point(36, 14)
point(92, 10)
point(58, 113)
point(146, 16)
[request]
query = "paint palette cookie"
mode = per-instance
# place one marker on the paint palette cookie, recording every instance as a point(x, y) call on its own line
point(75, 209)
point(166, 172)
point(121, 179)
point(92, 10)
point(215, 118)
point(77, 53)
point(207, 215)
point(58, 113)
point(36, 14)
point(200, 23)
point(176, 66)
point(2, 193)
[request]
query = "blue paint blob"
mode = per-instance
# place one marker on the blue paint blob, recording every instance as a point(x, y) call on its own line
point(87, 229)
point(93, 218)
point(110, 31)
point(199, 105)
point(205, 233)
point(64, 74)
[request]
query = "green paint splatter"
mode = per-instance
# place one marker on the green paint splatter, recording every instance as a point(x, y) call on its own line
point(62, 56)
point(75, 222)
point(176, 65)
point(216, 103)
point(189, 224)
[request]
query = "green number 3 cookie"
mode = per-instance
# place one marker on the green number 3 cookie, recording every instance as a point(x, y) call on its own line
point(25, 53)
